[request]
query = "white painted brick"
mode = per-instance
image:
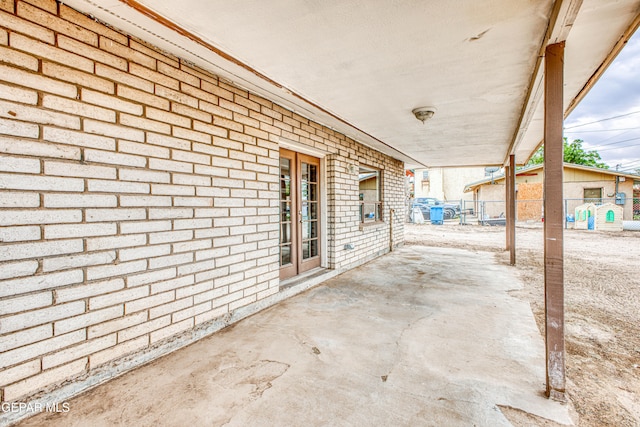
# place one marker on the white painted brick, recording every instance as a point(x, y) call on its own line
point(228, 280)
point(143, 97)
point(144, 227)
point(171, 284)
point(195, 267)
point(170, 165)
point(24, 217)
point(38, 149)
point(192, 246)
point(212, 314)
point(210, 295)
point(81, 139)
point(114, 158)
point(24, 303)
point(155, 213)
point(17, 94)
point(116, 131)
point(182, 179)
point(19, 200)
point(212, 274)
point(37, 115)
point(111, 102)
point(42, 183)
point(10, 270)
point(73, 169)
point(19, 234)
point(102, 271)
point(211, 253)
point(73, 261)
point(166, 117)
point(144, 252)
point(212, 192)
point(88, 290)
point(19, 59)
point(25, 337)
point(16, 128)
point(115, 325)
point(43, 379)
point(78, 351)
point(39, 249)
point(79, 230)
point(124, 78)
point(170, 236)
point(173, 190)
point(168, 141)
point(145, 201)
point(171, 330)
point(37, 82)
point(88, 319)
point(41, 316)
point(191, 312)
point(78, 108)
point(71, 75)
point(120, 50)
point(91, 52)
point(105, 243)
point(151, 277)
point(227, 299)
point(118, 297)
point(181, 224)
point(140, 175)
point(145, 303)
point(193, 201)
point(211, 170)
point(147, 150)
point(170, 260)
point(242, 302)
point(143, 123)
point(197, 289)
point(117, 186)
point(19, 372)
point(144, 328)
point(119, 350)
point(191, 157)
point(99, 215)
point(19, 164)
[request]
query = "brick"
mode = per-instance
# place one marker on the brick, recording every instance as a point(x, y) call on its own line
point(119, 350)
point(193, 113)
point(78, 351)
point(170, 165)
point(81, 139)
point(87, 290)
point(136, 57)
point(171, 284)
point(227, 123)
point(79, 230)
point(168, 141)
point(38, 115)
point(83, 260)
point(100, 215)
point(17, 269)
point(211, 170)
point(182, 224)
point(96, 156)
point(145, 201)
point(154, 52)
point(170, 236)
point(19, 234)
point(144, 227)
point(144, 252)
point(189, 156)
point(90, 52)
point(215, 110)
point(151, 277)
point(40, 316)
point(25, 303)
point(176, 73)
point(148, 302)
point(88, 319)
point(124, 78)
point(79, 201)
point(20, 25)
point(115, 325)
point(191, 312)
point(52, 53)
point(211, 253)
point(19, 372)
point(197, 289)
point(4, 36)
point(171, 260)
point(143, 149)
point(78, 108)
point(37, 82)
point(118, 297)
point(19, 164)
point(173, 190)
point(105, 243)
point(182, 179)
point(38, 249)
point(214, 89)
point(192, 201)
point(39, 381)
point(148, 74)
point(21, 354)
point(111, 102)
point(146, 124)
point(38, 149)
point(176, 96)
point(100, 272)
point(191, 135)
point(210, 315)
point(95, 185)
point(170, 213)
point(166, 117)
point(173, 329)
point(78, 170)
point(12, 93)
point(143, 97)
point(116, 131)
point(87, 22)
point(49, 20)
point(200, 94)
point(144, 176)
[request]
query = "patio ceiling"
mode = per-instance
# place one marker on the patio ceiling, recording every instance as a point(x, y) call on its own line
point(361, 66)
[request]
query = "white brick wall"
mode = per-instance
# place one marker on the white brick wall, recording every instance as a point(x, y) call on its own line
point(139, 196)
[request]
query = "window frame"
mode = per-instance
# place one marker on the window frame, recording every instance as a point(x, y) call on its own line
point(366, 219)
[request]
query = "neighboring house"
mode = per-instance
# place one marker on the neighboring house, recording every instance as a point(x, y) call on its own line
point(582, 184)
point(445, 183)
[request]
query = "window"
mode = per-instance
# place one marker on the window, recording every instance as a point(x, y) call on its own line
point(425, 175)
point(593, 195)
point(370, 195)
point(611, 216)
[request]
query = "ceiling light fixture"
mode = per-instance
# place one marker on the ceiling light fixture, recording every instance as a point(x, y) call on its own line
point(424, 113)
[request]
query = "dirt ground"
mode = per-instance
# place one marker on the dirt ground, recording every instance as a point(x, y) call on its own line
point(602, 308)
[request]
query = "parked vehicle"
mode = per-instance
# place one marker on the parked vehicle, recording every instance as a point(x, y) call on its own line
point(450, 210)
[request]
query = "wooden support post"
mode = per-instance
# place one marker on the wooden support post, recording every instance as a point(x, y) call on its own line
point(553, 221)
point(511, 209)
point(507, 197)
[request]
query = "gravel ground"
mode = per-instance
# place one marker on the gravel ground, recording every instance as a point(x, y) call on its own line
point(602, 309)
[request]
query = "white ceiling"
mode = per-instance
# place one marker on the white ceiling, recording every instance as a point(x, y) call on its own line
point(361, 66)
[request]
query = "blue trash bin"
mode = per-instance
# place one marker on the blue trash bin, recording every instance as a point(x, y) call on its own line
point(436, 213)
point(591, 223)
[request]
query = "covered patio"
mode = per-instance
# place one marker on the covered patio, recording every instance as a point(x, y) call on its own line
point(421, 336)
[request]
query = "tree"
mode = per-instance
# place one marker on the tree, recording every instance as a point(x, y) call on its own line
point(573, 153)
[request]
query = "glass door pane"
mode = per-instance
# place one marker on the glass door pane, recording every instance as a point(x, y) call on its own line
point(309, 209)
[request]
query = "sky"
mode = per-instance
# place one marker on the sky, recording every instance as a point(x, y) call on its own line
point(608, 118)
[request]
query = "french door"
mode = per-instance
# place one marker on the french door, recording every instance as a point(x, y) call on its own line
point(299, 213)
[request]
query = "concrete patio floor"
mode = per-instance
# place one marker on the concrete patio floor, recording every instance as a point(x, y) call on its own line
point(422, 336)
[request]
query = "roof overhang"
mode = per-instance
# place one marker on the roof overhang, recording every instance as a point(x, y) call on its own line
point(361, 67)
